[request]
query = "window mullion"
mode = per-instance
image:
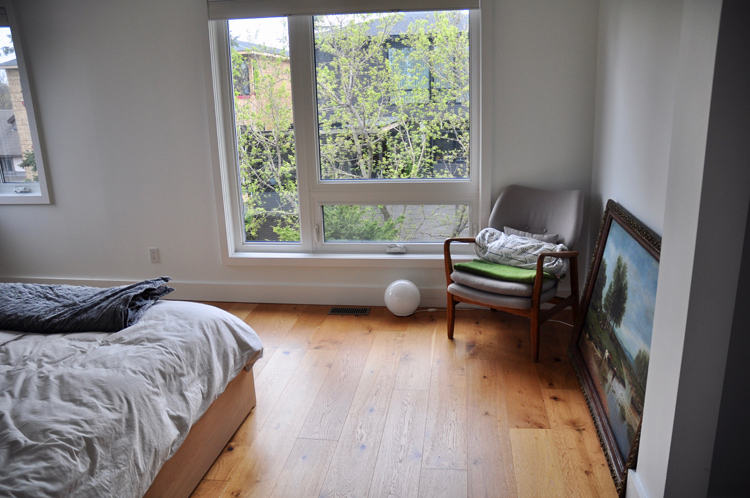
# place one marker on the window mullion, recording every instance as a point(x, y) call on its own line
point(301, 54)
point(481, 98)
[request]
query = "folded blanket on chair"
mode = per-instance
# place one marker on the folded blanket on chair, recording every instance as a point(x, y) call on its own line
point(522, 252)
point(501, 272)
point(69, 308)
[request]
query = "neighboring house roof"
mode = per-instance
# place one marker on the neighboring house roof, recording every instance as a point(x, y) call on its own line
point(9, 64)
point(10, 145)
point(409, 17)
point(243, 46)
point(399, 28)
point(402, 26)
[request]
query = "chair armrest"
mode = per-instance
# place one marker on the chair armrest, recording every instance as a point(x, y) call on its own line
point(447, 254)
point(559, 254)
point(572, 255)
point(540, 262)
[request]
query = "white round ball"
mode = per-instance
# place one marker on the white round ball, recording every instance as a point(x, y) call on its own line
point(402, 297)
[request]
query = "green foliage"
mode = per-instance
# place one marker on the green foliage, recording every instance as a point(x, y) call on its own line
point(615, 301)
point(601, 283)
point(389, 107)
point(380, 113)
point(287, 233)
point(265, 142)
point(353, 88)
point(29, 163)
point(352, 223)
point(9, 49)
point(640, 366)
point(5, 100)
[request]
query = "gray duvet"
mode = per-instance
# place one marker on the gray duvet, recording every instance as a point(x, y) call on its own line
point(97, 415)
point(75, 308)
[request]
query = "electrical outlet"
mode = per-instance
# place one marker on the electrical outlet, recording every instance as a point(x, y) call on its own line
point(153, 253)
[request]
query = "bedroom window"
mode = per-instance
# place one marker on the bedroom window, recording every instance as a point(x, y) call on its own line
point(346, 146)
point(22, 179)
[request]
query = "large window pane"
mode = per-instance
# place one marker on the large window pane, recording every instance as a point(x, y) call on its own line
point(264, 128)
point(393, 95)
point(376, 146)
point(394, 223)
point(17, 164)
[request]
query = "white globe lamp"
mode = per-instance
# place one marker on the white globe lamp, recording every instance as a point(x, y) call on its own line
point(402, 297)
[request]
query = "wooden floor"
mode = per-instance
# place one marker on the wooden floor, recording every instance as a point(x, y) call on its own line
point(383, 406)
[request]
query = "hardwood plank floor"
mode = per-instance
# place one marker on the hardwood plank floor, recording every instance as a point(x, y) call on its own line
point(382, 406)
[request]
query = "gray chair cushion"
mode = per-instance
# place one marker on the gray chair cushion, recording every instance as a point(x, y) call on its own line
point(496, 286)
point(540, 211)
point(521, 303)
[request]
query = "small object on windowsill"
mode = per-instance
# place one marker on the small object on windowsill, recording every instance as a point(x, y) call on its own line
point(395, 249)
point(21, 190)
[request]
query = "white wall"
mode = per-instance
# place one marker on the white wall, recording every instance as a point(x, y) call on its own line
point(544, 75)
point(638, 48)
point(122, 90)
point(722, 218)
point(671, 148)
point(678, 299)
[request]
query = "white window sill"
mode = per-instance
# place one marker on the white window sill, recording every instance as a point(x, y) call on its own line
point(342, 260)
point(34, 197)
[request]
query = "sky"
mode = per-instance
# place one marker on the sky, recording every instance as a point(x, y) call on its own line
point(269, 31)
point(643, 270)
point(5, 41)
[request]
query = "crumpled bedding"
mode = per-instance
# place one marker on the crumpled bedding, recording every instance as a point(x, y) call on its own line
point(512, 250)
point(74, 308)
point(95, 415)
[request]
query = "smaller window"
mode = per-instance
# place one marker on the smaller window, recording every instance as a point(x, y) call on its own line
point(410, 72)
point(21, 172)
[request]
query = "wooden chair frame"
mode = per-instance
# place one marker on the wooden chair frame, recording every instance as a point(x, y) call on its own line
point(537, 315)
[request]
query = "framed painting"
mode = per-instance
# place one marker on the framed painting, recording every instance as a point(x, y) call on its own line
point(611, 342)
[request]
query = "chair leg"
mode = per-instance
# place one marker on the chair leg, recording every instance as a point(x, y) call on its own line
point(535, 335)
point(451, 315)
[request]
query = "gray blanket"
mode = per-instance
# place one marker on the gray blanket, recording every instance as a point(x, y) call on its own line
point(68, 308)
point(96, 415)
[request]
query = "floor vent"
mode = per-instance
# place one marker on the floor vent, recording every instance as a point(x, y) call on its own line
point(340, 310)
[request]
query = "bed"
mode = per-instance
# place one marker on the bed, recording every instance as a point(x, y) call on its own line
point(142, 411)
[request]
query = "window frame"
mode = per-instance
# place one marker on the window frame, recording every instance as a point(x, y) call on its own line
point(314, 192)
point(39, 192)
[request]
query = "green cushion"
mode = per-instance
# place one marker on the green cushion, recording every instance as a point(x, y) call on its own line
point(500, 272)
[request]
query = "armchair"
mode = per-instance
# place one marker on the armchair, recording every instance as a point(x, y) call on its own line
point(544, 213)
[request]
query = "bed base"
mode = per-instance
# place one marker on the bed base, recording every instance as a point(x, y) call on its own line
point(182, 473)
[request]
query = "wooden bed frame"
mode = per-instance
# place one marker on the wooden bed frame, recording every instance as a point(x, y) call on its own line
point(182, 473)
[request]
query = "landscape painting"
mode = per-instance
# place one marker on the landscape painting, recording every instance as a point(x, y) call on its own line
point(612, 342)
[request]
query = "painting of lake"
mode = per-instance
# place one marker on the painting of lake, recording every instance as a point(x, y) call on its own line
point(615, 338)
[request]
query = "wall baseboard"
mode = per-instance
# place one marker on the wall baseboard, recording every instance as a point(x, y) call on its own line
point(634, 487)
point(323, 294)
point(246, 292)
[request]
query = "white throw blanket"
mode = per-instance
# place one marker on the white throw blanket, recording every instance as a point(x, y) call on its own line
point(522, 252)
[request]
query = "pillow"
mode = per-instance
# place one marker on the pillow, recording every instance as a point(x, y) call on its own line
point(544, 237)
